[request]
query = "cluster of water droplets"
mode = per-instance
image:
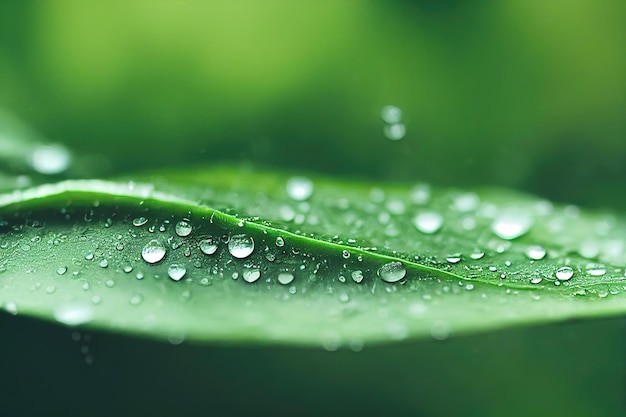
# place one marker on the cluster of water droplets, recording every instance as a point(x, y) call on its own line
point(394, 129)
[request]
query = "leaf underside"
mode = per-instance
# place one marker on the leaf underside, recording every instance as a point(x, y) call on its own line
point(72, 252)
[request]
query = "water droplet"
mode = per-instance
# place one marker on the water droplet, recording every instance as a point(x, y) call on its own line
point(103, 263)
point(251, 275)
point(50, 159)
point(139, 275)
point(299, 188)
point(392, 272)
point(176, 272)
point(285, 278)
point(241, 246)
point(477, 254)
point(208, 246)
point(62, 270)
point(454, 259)
point(153, 252)
point(536, 280)
point(512, 224)
point(73, 315)
point(183, 228)
point(428, 222)
point(595, 270)
point(139, 221)
point(51, 289)
point(135, 300)
point(466, 202)
point(128, 269)
point(391, 114)
point(536, 252)
point(564, 273)
point(394, 131)
point(440, 330)
point(345, 254)
point(110, 283)
point(89, 256)
point(119, 246)
point(280, 242)
point(420, 194)
point(343, 297)
point(357, 276)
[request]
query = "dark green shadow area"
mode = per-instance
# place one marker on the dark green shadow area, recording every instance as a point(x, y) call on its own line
point(549, 370)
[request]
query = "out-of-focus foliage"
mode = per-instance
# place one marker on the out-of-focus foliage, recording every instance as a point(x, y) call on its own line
point(524, 94)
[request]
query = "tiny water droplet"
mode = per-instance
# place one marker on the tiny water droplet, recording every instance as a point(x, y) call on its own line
point(139, 221)
point(62, 270)
point(285, 278)
point(103, 263)
point(454, 259)
point(135, 300)
point(128, 269)
point(345, 254)
point(536, 280)
point(119, 246)
point(110, 283)
point(153, 252)
point(536, 253)
point(251, 275)
point(299, 188)
point(176, 272)
point(183, 228)
point(241, 246)
point(564, 273)
point(89, 256)
point(476, 255)
point(466, 202)
point(208, 246)
point(420, 194)
point(392, 272)
point(139, 275)
point(428, 222)
point(280, 242)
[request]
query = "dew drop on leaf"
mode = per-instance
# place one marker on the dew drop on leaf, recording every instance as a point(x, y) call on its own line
point(241, 246)
point(392, 272)
point(428, 222)
point(595, 270)
point(153, 252)
point(357, 276)
point(564, 273)
point(208, 246)
point(536, 252)
point(285, 278)
point(251, 275)
point(183, 228)
point(176, 272)
point(512, 224)
point(139, 221)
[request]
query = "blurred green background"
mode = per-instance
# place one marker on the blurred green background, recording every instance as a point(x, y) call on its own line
point(526, 94)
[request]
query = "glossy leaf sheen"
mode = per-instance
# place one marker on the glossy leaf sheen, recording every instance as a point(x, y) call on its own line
point(72, 252)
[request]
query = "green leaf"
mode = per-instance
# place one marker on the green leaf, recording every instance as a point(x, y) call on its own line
point(332, 263)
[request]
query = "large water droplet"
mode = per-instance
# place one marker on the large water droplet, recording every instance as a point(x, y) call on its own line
point(153, 252)
point(176, 272)
point(183, 228)
point(251, 275)
point(512, 224)
point(564, 273)
point(285, 278)
point(73, 315)
point(392, 272)
point(428, 222)
point(208, 246)
point(536, 252)
point(50, 160)
point(241, 246)
point(299, 188)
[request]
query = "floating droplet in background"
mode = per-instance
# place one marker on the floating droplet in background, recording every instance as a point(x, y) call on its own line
point(428, 222)
point(299, 188)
